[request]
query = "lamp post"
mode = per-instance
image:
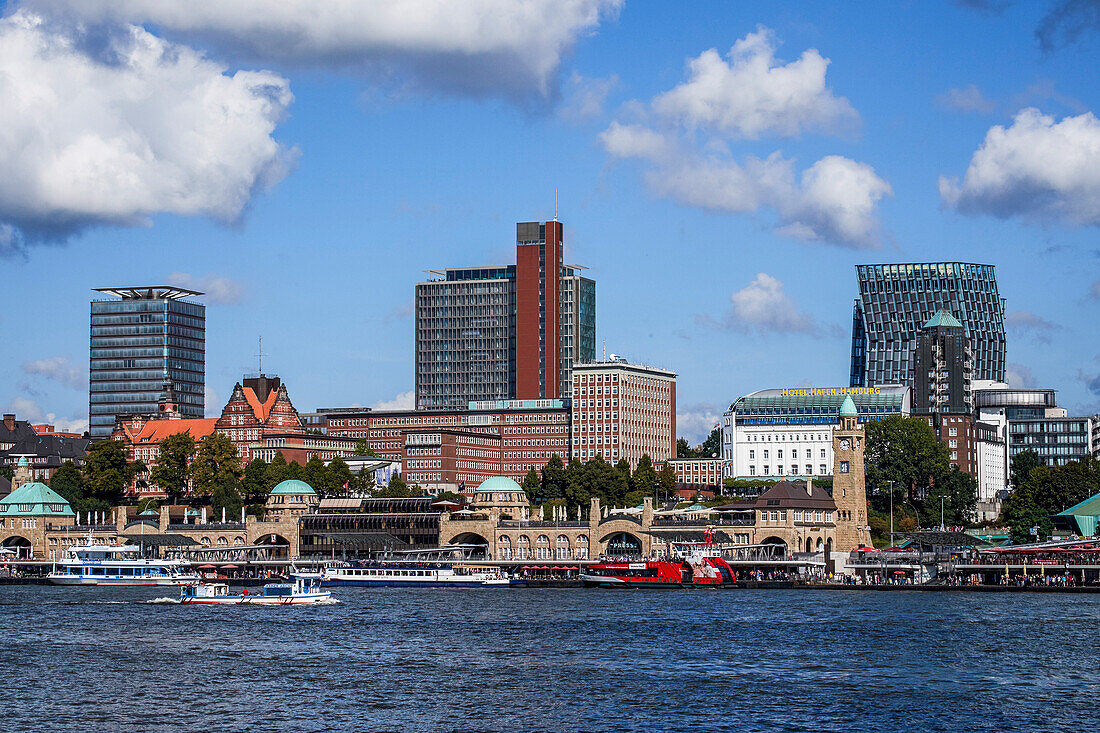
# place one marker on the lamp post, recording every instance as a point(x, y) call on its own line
point(891, 512)
point(942, 527)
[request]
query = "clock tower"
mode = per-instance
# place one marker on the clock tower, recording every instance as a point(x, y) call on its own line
point(849, 491)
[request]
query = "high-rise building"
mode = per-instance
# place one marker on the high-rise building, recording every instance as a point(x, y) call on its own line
point(507, 331)
point(896, 300)
point(142, 338)
point(623, 410)
point(942, 368)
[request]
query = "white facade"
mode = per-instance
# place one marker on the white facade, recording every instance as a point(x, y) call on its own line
point(779, 450)
point(992, 465)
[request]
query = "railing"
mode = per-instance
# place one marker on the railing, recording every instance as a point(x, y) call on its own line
point(518, 523)
point(667, 522)
point(208, 526)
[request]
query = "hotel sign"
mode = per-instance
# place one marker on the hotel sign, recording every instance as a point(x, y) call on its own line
point(815, 391)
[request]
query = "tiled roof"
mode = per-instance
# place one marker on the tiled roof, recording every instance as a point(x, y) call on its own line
point(155, 431)
point(793, 494)
point(260, 409)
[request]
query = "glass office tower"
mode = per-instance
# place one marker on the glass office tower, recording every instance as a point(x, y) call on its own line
point(141, 339)
point(895, 301)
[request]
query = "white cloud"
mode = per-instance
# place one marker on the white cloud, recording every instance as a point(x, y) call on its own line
point(1026, 323)
point(966, 99)
point(834, 200)
point(763, 305)
point(25, 409)
point(585, 97)
point(115, 126)
point(1037, 169)
point(213, 403)
point(695, 422)
point(752, 95)
point(216, 288)
point(403, 401)
point(470, 46)
point(1019, 376)
point(59, 369)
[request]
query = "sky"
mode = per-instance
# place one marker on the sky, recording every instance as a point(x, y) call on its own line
point(720, 168)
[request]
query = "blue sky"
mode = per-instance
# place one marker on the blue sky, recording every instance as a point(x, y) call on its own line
point(720, 167)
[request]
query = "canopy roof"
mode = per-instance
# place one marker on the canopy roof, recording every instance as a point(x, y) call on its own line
point(1085, 514)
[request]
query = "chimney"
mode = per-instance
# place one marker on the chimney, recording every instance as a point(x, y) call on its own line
point(9, 422)
point(810, 485)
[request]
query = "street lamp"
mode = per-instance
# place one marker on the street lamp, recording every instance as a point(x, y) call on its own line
point(891, 512)
point(942, 527)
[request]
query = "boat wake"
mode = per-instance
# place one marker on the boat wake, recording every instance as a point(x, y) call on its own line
point(163, 599)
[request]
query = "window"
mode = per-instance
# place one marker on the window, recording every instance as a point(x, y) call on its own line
point(779, 454)
point(953, 432)
point(822, 452)
point(844, 466)
point(752, 455)
point(765, 455)
point(822, 469)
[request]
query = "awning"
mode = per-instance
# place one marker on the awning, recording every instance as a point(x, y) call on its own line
point(230, 566)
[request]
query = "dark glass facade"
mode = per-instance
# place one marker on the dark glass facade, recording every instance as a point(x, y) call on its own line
point(894, 303)
point(140, 339)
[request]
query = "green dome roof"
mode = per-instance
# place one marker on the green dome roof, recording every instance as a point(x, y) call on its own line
point(499, 483)
point(22, 461)
point(848, 407)
point(149, 513)
point(41, 500)
point(293, 486)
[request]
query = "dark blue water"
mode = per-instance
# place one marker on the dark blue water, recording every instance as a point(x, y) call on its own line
point(526, 659)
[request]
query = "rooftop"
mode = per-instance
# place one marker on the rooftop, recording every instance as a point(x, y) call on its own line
point(35, 500)
point(943, 317)
point(150, 292)
point(499, 483)
point(293, 487)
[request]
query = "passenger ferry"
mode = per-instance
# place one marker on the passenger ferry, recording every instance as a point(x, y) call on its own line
point(92, 564)
point(397, 574)
point(703, 572)
point(303, 588)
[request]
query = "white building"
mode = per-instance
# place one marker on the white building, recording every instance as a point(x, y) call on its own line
point(777, 433)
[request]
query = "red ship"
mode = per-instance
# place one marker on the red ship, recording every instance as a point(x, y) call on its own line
point(698, 567)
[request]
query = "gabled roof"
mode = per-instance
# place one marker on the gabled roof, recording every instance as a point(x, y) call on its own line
point(793, 494)
point(943, 317)
point(155, 431)
point(260, 409)
point(37, 500)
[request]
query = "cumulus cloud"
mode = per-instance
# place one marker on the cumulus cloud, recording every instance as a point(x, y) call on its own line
point(966, 99)
point(753, 95)
point(1026, 323)
point(763, 307)
point(1037, 169)
point(58, 369)
point(469, 47)
point(585, 97)
point(26, 409)
point(695, 422)
point(115, 126)
point(213, 404)
point(216, 288)
point(403, 401)
point(1020, 376)
point(683, 136)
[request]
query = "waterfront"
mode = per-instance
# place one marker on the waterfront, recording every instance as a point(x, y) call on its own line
point(552, 659)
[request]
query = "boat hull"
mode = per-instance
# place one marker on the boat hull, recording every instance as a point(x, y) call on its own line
point(603, 581)
point(259, 600)
point(410, 583)
point(120, 582)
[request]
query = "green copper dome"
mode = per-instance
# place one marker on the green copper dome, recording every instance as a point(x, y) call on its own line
point(848, 407)
point(294, 487)
point(499, 483)
point(35, 500)
point(943, 317)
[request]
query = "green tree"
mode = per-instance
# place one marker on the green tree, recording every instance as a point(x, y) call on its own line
point(575, 488)
point(553, 479)
point(959, 492)
point(277, 472)
point(362, 448)
point(397, 489)
point(172, 469)
point(607, 482)
point(146, 504)
point(341, 479)
point(315, 473)
point(623, 468)
point(106, 471)
point(1021, 465)
point(254, 483)
point(226, 499)
point(216, 464)
point(7, 472)
point(68, 482)
point(903, 452)
point(712, 446)
point(645, 478)
point(666, 480)
point(684, 449)
point(88, 504)
point(533, 487)
point(364, 480)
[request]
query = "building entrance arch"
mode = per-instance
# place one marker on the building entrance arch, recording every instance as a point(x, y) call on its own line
point(479, 545)
point(624, 544)
point(279, 545)
point(774, 547)
point(20, 545)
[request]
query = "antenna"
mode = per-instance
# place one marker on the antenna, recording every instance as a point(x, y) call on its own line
point(260, 356)
point(555, 204)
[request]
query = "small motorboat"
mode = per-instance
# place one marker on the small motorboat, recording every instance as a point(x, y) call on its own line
point(302, 588)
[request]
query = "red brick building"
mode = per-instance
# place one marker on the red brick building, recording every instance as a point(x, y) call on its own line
point(957, 433)
point(697, 474)
point(256, 408)
point(451, 456)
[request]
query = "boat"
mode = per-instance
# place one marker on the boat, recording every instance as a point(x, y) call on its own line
point(705, 572)
point(417, 575)
point(302, 589)
point(122, 565)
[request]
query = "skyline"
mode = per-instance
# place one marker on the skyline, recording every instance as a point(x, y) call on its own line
point(749, 156)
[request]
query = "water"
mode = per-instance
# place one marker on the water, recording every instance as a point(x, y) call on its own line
point(102, 659)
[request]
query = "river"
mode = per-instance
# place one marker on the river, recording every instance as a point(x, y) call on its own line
point(102, 659)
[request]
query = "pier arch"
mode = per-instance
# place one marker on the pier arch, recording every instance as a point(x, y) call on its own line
point(20, 544)
point(280, 546)
point(472, 538)
point(624, 543)
point(778, 543)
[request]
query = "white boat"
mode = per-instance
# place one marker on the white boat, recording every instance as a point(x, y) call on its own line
point(438, 575)
point(302, 589)
point(95, 564)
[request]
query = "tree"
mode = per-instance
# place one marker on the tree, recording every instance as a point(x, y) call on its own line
point(106, 471)
point(623, 467)
point(226, 499)
point(277, 472)
point(364, 481)
point(553, 479)
point(146, 504)
point(341, 479)
point(574, 487)
point(903, 452)
point(684, 449)
point(397, 489)
point(315, 473)
point(362, 448)
point(959, 492)
point(68, 482)
point(173, 463)
point(533, 487)
point(1021, 465)
point(666, 480)
point(7, 472)
point(712, 446)
point(1043, 492)
point(254, 483)
point(216, 464)
point(645, 478)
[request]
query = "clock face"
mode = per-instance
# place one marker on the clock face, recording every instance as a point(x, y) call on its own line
point(844, 444)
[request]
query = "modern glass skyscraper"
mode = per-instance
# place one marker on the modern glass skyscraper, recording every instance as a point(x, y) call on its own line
point(504, 332)
point(141, 339)
point(895, 301)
